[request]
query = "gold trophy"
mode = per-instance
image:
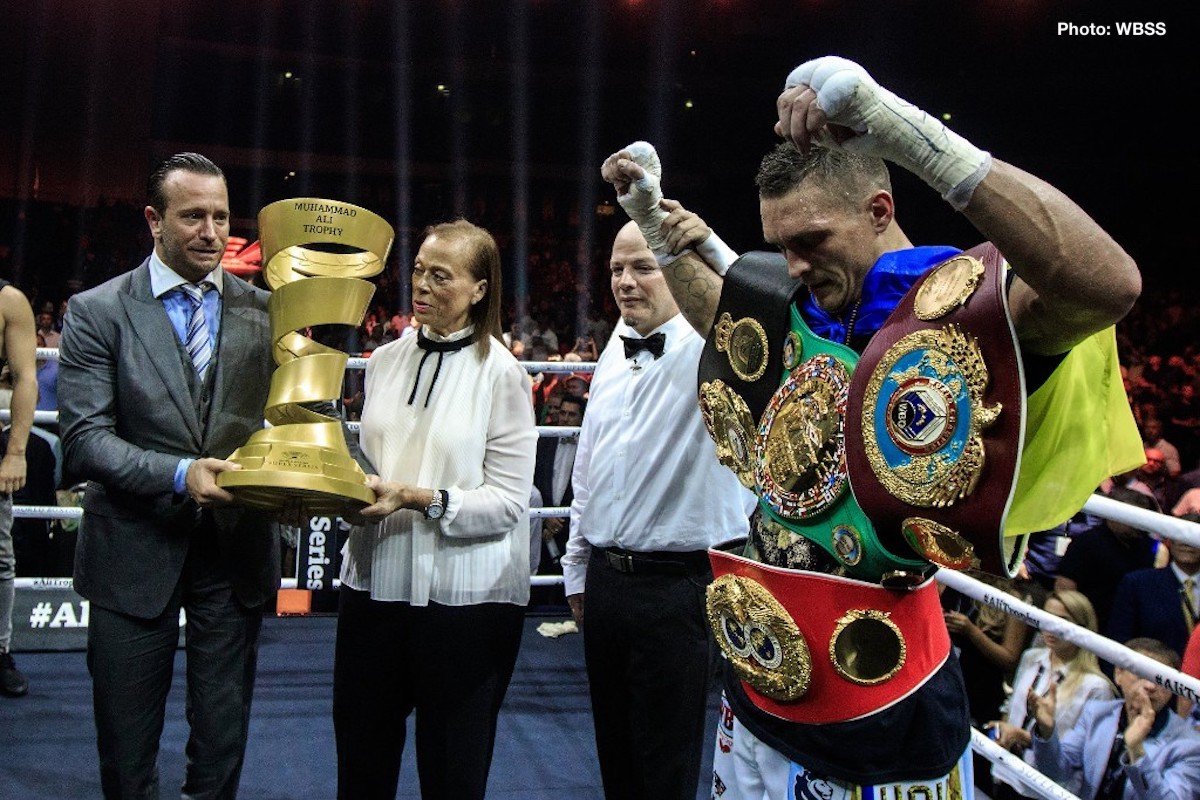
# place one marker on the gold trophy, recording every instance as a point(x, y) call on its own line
point(316, 255)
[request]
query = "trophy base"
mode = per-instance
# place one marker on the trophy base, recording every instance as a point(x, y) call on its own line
point(318, 475)
point(317, 496)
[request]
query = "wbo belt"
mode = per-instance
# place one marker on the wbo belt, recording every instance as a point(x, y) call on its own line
point(687, 562)
point(816, 648)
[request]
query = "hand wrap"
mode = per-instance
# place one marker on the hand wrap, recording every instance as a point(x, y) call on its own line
point(892, 128)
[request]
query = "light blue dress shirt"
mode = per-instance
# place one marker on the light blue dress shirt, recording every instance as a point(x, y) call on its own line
point(163, 283)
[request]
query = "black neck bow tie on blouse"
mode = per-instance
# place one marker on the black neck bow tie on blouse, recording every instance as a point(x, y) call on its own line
point(430, 347)
point(651, 344)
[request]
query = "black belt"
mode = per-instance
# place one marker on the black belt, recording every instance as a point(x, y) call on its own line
point(687, 562)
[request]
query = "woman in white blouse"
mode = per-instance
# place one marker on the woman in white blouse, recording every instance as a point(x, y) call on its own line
point(1071, 673)
point(434, 585)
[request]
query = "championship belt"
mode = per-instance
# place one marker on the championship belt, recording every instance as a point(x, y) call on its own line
point(937, 407)
point(800, 471)
point(790, 449)
point(745, 350)
point(815, 648)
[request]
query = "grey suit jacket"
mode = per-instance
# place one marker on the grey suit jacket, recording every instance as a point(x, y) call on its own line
point(127, 417)
point(1170, 769)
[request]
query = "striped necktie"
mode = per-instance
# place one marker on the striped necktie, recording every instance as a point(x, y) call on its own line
point(1185, 598)
point(196, 339)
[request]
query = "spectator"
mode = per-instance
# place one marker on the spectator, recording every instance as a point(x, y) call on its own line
point(1047, 548)
point(1076, 676)
point(1152, 437)
point(551, 404)
point(989, 644)
point(549, 338)
point(1155, 755)
point(1160, 603)
point(585, 349)
point(552, 476)
point(47, 380)
point(46, 329)
point(1184, 410)
point(1189, 502)
point(578, 384)
point(1153, 476)
point(598, 328)
point(1097, 560)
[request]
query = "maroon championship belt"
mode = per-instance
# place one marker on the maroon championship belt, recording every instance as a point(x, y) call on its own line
point(936, 418)
point(816, 648)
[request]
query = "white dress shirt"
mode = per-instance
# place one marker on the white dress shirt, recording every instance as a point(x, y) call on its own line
point(564, 465)
point(476, 439)
point(1035, 672)
point(646, 473)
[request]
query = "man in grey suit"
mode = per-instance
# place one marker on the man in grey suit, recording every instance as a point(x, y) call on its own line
point(1135, 748)
point(164, 372)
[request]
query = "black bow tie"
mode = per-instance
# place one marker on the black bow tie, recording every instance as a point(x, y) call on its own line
point(651, 344)
point(431, 346)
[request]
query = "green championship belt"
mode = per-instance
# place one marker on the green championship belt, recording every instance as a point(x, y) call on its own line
point(801, 476)
point(786, 441)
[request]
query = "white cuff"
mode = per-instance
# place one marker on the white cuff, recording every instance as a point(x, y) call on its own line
point(575, 576)
point(454, 501)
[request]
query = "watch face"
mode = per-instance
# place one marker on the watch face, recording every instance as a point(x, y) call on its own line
point(435, 509)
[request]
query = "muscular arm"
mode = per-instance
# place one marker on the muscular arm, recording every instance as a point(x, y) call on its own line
point(694, 283)
point(20, 345)
point(696, 289)
point(1073, 279)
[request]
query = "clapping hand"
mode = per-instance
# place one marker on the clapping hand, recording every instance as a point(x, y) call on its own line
point(1141, 715)
point(1044, 707)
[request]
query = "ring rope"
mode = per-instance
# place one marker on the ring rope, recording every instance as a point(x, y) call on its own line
point(1113, 652)
point(359, 362)
point(1045, 787)
point(1179, 530)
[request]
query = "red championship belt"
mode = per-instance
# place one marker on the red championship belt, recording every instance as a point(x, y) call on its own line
point(936, 416)
point(815, 648)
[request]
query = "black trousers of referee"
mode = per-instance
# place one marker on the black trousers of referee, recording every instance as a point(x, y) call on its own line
point(451, 664)
point(647, 647)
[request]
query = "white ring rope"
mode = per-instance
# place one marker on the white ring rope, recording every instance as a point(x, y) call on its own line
point(357, 362)
point(1179, 530)
point(39, 417)
point(1033, 779)
point(1113, 652)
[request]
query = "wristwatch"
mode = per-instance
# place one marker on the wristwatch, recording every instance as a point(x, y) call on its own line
point(437, 506)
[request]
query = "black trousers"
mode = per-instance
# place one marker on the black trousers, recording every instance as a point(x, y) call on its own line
point(131, 661)
point(451, 664)
point(647, 647)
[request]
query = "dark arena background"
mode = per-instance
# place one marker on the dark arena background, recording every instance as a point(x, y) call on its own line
point(502, 112)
